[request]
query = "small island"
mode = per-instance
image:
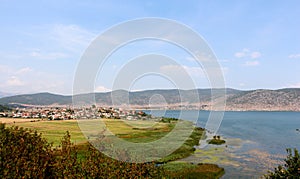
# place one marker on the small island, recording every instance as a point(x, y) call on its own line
point(216, 140)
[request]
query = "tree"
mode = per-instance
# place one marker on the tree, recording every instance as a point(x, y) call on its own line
point(25, 154)
point(291, 168)
point(4, 108)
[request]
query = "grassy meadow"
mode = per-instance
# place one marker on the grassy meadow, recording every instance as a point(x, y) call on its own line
point(53, 131)
point(133, 131)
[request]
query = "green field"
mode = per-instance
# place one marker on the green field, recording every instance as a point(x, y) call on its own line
point(53, 131)
point(134, 131)
point(187, 170)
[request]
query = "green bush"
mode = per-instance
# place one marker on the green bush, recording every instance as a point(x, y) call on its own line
point(168, 120)
point(97, 165)
point(216, 141)
point(4, 108)
point(187, 170)
point(25, 154)
point(291, 168)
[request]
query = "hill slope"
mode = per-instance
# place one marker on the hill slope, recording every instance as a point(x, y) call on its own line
point(37, 99)
point(269, 100)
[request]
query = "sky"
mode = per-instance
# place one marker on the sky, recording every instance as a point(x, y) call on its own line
point(256, 43)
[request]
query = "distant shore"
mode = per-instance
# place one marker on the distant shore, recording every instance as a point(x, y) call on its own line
point(231, 110)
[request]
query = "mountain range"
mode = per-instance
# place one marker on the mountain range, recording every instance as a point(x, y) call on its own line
point(287, 99)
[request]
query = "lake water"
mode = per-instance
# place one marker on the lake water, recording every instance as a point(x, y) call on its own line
point(255, 141)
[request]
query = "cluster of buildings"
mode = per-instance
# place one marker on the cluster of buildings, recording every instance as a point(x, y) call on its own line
point(67, 113)
point(110, 113)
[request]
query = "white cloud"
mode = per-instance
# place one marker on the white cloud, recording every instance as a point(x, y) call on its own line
point(294, 55)
point(54, 41)
point(171, 68)
point(246, 53)
point(241, 54)
point(195, 72)
point(296, 85)
point(14, 81)
point(34, 54)
point(255, 55)
point(71, 37)
point(47, 56)
point(177, 69)
point(102, 89)
point(28, 80)
point(4, 69)
point(8, 71)
point(251, 63)
point(23, 71)
point(61, 40)
point(224, 60)
point(10, 55)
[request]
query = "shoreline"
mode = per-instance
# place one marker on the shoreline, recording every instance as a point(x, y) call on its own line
point(146, 109)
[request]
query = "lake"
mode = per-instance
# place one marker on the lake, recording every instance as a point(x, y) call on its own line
point(255, 141)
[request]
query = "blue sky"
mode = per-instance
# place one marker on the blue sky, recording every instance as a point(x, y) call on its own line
point(257, 42)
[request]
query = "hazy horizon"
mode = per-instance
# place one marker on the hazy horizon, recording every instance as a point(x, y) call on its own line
point(5, 94)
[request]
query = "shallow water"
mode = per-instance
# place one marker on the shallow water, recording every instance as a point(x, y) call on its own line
point(255, 141)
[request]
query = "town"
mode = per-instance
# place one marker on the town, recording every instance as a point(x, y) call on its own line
point(68, 113)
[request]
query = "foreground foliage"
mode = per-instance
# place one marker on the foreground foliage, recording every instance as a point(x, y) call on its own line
point(25, 154)
point(291, 168)
point(187, 170)
point(216, 140)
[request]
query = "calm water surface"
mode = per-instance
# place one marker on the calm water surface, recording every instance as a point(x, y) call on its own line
point(256, 141)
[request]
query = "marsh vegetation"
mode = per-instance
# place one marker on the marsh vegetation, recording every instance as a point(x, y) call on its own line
point(61, 155)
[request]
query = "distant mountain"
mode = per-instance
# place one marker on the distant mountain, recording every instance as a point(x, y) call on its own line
point(276, 100)
point(37, 99)
point(261, 99)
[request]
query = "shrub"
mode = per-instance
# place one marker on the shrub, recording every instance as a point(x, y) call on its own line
point(25, 154)
point(4, 108)
point(216, 141)
point(187, 170)
point(291, 168)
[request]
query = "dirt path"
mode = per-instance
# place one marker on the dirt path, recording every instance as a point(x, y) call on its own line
point(16, 120)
